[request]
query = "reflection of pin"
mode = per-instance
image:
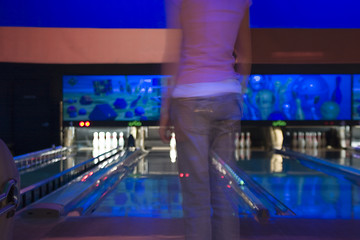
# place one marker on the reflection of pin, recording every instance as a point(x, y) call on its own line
point(276, 163)
point(121, 141)
point(248, 154)
point(242, 154)
point(173, 155)
point(237, 154)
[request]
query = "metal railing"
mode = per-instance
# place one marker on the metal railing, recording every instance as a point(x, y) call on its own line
point(260, 201)
point(82, 194)
point(38, 190)
point(41, 157)
point(324, 166)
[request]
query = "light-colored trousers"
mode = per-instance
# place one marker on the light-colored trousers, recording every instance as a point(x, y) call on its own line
point(203, 125)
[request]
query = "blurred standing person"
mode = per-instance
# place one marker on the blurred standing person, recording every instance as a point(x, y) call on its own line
point(204, 105)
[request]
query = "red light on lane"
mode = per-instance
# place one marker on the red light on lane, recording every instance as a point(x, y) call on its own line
point(187, 175)
point(81, 124)
point(181, 175)
point(228, 186)
point(87, 124)
point(84, 178)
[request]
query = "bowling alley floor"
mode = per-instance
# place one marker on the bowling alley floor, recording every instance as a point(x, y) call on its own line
point(139, 228)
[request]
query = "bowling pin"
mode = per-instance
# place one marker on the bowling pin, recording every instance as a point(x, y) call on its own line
point(294, 142)
point(114, 141)
point(318, 137)
point(248, 154)
point(237, 141)
point(101, 139)
point(314, 140)
point(308, 142)
point(121, 141)
point(172, 141)
point(301, 140)
point(108, 140)
point(95, 140)
point(242, 140)
point(173, 153)
point(248, 140)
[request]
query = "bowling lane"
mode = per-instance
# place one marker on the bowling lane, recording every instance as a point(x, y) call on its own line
point(308, 193)
point(152, 190)
point(343, 157)
point(51, 168)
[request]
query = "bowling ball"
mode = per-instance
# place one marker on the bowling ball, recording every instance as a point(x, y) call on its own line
point(311, 90)
point(257, 82)
point(330, 110)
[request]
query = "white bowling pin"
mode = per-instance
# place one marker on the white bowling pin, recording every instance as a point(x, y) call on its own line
point(172, 141)
point(237, 141)
point(248, 140)
point(95, 140)
point(121, 140)
point(114, 141)
point(242, 140)
point(301, 140)
point(314, 140)
point(101, 139)
point(108, 140)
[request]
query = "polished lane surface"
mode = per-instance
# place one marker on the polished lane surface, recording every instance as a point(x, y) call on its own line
point(307, 192)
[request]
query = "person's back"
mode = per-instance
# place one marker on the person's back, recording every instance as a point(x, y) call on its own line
point(210, 29)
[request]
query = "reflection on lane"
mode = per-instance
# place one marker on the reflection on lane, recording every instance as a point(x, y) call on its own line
point(152, 190)
point(309, 193)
